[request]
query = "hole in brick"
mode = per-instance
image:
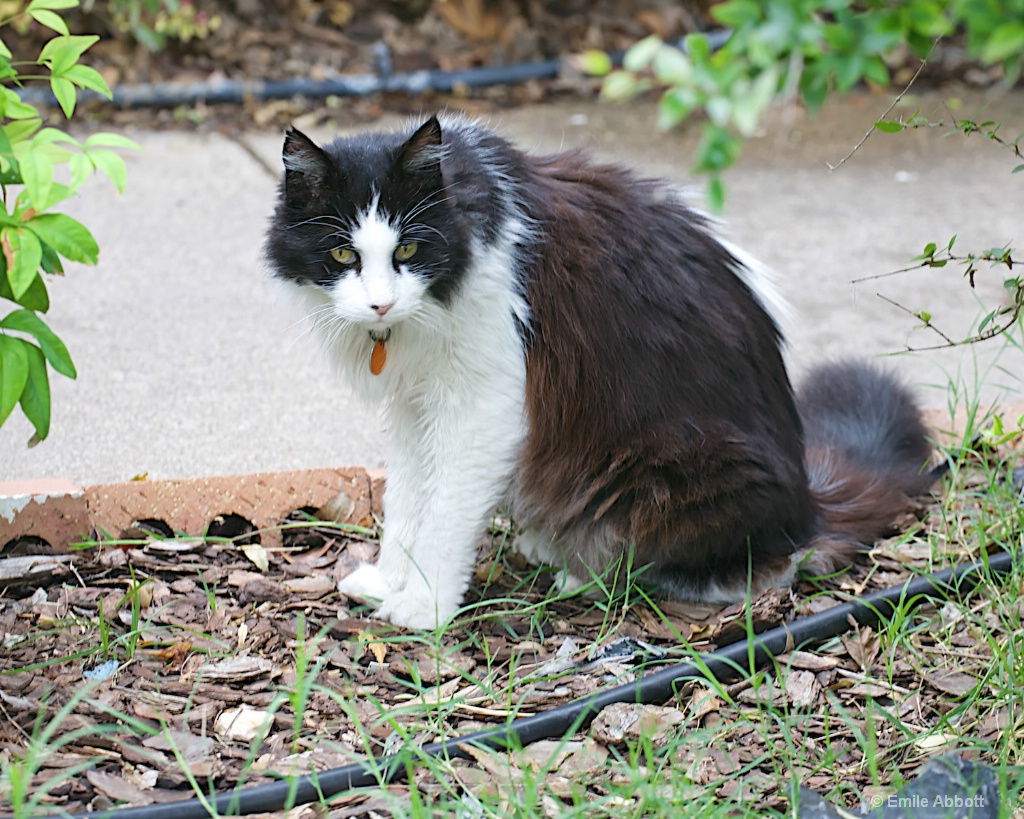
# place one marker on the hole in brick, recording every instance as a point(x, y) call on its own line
point(26, 545)
point(234, 527)
point(147, 528)
point(307, 536)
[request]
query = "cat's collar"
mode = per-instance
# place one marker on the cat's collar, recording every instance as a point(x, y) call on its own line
point(379, 353)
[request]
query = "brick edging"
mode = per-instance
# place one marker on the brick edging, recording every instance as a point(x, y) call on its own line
point(62, 513)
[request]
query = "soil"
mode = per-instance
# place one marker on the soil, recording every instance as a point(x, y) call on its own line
point(260, 39)
point(225, 663)
point(318, 39)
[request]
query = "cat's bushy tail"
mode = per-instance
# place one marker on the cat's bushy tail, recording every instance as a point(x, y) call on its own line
point(867, 455)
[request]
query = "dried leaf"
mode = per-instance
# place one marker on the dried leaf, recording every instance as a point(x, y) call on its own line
point(703, 701)
point(956, 683)
point(315, 586)
point(802, 689)
point(622, 723)
point(117, 789)
point(932, 741)
point(257, 554)
point(863, 647)
point(237, 669)
point(338, 508)
point(243, 724)
point(807, 661)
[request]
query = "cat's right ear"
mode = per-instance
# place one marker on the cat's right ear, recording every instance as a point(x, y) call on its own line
point(307, 170)
point(422, 152)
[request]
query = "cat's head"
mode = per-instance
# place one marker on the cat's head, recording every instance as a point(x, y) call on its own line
point(367, 219)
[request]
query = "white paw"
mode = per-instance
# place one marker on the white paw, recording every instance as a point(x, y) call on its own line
point(366, 584)
point(413, 610)
point(536, 546)
point(566, 583)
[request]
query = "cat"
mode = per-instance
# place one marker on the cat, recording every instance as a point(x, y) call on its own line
point(571, 339)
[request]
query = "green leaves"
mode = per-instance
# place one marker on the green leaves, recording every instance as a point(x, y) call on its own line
point(33, 239)
point(61, 56)
point(13, 373)
point(887, 126)
point(70, 238)
point(44, 12)
point(811, 47)
point(35, 397)
point(53, 348)
point(24, 380)
point(596, 63)
point(22, 254)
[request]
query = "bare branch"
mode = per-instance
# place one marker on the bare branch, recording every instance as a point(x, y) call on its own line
point(985, 335)
point(895, 102)
point(920, 317)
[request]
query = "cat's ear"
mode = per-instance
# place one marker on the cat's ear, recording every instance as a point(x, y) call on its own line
point(307, 170)
point(421, 154)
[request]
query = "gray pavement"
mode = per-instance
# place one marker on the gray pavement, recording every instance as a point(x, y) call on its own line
point(189, 365)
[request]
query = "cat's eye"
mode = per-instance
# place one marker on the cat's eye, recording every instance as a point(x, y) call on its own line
point(405, 251)
point(344, 255)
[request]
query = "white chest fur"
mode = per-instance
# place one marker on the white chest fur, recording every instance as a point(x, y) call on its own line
point(454, 386)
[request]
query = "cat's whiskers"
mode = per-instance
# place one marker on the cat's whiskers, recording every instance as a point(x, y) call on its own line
point(342, 227)
point(334, 329)
point(425, 204)
point(421, 227)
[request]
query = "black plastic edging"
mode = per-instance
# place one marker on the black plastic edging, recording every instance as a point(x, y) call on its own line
point(171, 94)
point(722, 664)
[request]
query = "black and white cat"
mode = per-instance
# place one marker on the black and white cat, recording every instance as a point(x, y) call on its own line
point(572, 340)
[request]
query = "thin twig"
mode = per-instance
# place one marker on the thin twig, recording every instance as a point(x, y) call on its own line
point(927, 322)
point(891, 273)
point(985, 335)
point(895, 102)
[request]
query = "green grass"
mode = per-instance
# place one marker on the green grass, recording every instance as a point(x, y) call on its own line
point(933, 678)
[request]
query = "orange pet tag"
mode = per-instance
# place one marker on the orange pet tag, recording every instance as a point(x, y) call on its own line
point(379, 353)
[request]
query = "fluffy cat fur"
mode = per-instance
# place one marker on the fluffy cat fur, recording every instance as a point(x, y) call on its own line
point(571, 339)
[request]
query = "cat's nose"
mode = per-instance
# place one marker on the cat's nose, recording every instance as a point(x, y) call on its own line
point(381, 309)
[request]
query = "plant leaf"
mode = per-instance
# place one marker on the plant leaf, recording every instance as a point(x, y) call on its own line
point(35, 298)
point(888, 126)
point(64, 91)
point(1006, 41)
point(23, 255)
point(69, 237)
point(85, 77)
point(49, 19)
point(108, 140)
point(37, 176)
point(60, 53)
point(35, 399)
point(639, 55)
point(25, 321)
point(13, 374)
point(595, 63)
point(11, 106)
point(112, 165)
point(52, 4)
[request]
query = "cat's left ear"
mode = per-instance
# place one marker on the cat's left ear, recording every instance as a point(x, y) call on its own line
point(422, 152)
point(307, 170)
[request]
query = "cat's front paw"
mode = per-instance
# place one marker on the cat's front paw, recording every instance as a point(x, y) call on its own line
point(415, 610)
point(366, 584)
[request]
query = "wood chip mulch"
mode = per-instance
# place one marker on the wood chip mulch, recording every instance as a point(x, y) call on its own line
point(219, 664)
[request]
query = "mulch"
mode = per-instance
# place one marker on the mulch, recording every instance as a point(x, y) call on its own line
point(318, 39)
point(226, 663)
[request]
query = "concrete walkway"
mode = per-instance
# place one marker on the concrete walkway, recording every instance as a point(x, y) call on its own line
point(189, 366)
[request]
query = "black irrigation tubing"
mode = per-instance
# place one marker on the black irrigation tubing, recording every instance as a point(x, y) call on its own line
point(725, 663)
point(171, 94)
